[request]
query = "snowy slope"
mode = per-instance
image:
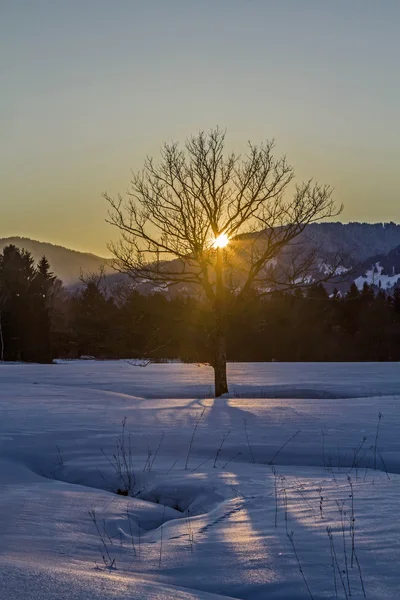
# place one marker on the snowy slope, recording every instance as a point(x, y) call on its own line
point(205, 521)
point(381, 271)
point(375, 276)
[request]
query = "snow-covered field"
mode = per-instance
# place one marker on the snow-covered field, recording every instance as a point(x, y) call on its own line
point(288, 489)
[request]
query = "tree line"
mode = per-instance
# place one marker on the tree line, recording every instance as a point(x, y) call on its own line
point(41, 320)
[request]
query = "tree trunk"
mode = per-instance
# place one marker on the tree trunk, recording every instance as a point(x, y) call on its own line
point(220, 379)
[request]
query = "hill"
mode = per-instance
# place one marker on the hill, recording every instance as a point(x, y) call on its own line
point(373, 250)
point(67, 264)
point(358, 240)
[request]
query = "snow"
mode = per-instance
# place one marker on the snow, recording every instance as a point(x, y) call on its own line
point(327, 269)
point(304, 280)
point(375, 276)
point(200, 523)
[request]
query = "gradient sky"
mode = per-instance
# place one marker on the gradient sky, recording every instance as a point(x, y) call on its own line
point(89, 87)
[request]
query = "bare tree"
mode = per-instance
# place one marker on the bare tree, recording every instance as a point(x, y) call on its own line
point(96, 279)
point(179, 215)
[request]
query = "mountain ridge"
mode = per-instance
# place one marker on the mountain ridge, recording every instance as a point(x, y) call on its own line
point(66, 263)
point(366, 243)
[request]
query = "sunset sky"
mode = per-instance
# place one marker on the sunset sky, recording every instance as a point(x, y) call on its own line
point(89, 87)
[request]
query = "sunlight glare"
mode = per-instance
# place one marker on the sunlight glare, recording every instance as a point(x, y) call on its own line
point(221, 241)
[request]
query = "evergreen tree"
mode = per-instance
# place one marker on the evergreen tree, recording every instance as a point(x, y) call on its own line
point(25, 310)
point(17, 272)
point(93, 322)
point(40, 311)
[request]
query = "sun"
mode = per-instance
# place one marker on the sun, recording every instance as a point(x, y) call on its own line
point(221, 241)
